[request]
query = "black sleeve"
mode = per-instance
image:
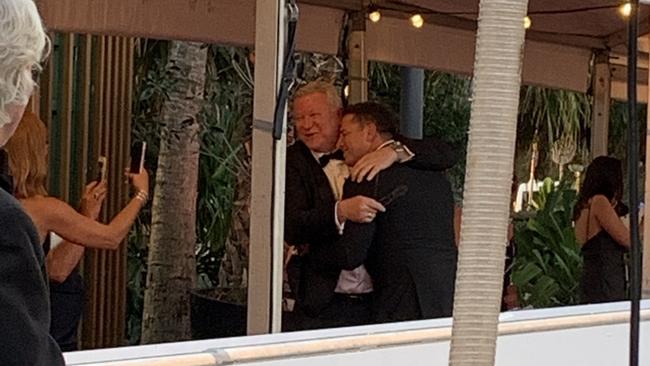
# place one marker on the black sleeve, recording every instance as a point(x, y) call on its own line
point(431, 153)
point(305, 222)
point(351, 249)
point(24, 304)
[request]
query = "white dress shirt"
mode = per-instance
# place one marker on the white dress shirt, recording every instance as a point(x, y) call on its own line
point(356, 281)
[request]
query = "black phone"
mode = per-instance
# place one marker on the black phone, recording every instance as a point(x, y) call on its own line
point(137, 157)
point(102, 166)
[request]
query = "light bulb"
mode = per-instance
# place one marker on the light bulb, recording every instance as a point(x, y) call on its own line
point(527, 22)
point(417, 21)
point(373, 13)
point(346, 91)
point(374, 16)
point(625, 9)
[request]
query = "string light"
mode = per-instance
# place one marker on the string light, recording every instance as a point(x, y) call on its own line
point(346, 91)
point(527, 22)
point(417, 21)
point(625, 9)
point(373, 13)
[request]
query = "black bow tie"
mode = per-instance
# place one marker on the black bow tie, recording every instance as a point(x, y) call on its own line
point(336, 155)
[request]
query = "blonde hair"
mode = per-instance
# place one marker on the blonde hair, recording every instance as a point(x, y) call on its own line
point(23, 44)
point(27, 150)
point(320, 86)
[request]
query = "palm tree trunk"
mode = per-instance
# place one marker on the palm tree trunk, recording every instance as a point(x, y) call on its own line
point(171, 264)
point(490, 156)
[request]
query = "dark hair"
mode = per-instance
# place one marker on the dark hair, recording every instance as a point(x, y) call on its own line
point(604, 176)
point(378, 114)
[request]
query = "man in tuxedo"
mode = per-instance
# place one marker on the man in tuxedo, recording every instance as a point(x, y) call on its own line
point(409, 249)
point(327, 296)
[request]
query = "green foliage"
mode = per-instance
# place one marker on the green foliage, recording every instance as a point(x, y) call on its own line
point(446, 108)
point(224, 127)
point(548, 262)
point(149, 96)
point(547, 115)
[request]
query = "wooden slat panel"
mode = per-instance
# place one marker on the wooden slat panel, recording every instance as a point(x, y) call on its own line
point(108, 297)
point(84, 113)
point(45, 93)
point(91, 265)
point(116, 182)
point(85, 98)
point(65, 116)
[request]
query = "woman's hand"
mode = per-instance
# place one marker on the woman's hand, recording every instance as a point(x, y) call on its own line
point(92, 199)
point(139, 181)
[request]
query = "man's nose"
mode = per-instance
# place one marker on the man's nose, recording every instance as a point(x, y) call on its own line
point(305, 124)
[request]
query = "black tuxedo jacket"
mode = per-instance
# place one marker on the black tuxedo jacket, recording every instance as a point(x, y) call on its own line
point(409, 250)
point(309, 216)
point(24, 300)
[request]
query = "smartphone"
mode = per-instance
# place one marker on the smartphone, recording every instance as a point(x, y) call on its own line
point(137, 157)
point(102, 164)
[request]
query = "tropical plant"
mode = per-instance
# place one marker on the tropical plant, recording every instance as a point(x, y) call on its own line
point(446, 108)
point(223, 168)
point(486, 204)
point(149, 94)
point(559, 120)
point(171, 270)
point(224, 183)
point(548, 263)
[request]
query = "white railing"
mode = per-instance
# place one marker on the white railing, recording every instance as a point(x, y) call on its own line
point(589, 330)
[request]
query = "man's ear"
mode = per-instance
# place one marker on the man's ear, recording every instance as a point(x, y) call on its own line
point(372, 131)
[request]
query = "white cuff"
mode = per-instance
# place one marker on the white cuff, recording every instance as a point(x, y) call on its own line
point(340, 226)
point(406, 156)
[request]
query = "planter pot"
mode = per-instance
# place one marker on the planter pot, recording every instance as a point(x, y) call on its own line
point(215, 317)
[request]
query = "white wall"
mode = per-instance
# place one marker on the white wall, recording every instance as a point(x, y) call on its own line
point(601, 339)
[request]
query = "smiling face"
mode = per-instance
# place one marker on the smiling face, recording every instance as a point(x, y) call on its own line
point(356, 140)
point(317, 122)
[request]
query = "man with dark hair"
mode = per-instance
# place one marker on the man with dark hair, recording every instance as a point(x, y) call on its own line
point(409, 249)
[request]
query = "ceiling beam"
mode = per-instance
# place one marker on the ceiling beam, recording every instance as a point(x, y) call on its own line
point(620, 37)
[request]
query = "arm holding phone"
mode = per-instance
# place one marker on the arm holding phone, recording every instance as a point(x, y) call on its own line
point(64, 258)
point(77, 228)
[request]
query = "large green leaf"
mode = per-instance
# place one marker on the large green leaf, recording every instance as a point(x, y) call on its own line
point(548, 262)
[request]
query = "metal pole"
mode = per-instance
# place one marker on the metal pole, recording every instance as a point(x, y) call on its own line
point(268, 169)
point(412, 102)
point(601, 86)
point(358, 61)
point(633, 167)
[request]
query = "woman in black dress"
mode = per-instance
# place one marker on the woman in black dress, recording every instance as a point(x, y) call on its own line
point(27, 151)
point(604, 238)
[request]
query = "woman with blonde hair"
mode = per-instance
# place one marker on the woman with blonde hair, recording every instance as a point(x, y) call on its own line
point(27, 151)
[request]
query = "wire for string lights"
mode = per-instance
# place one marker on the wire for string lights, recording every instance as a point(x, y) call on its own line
point(400, 6)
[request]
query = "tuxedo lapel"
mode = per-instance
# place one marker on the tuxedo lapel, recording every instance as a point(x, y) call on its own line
point(320, 184)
